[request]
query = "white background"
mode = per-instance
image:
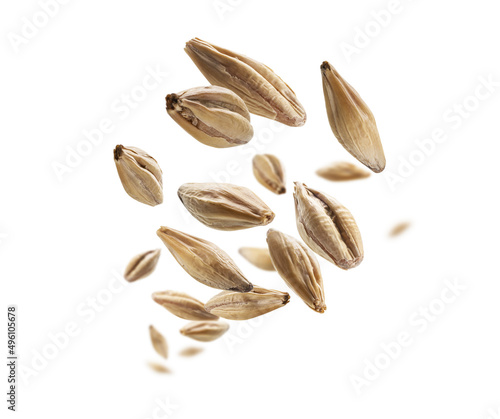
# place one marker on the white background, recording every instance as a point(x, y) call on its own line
point(63, 237)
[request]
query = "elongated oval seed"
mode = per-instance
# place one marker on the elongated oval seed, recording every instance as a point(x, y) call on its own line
point(159, 342)
point(140, 174)
point(243, 306)
point(214, 115)
point(204, 331)
point(327, 227)
point(157, 367)
point(269, 171)
point(399, 228)
point(351, 120)
point(298, 267)
point(183, 305)
point(190, 351)
point(142, 265)
point(342, 171)
point(224, 206)
point(204, 261)
point(264, 93)
point(258, 257)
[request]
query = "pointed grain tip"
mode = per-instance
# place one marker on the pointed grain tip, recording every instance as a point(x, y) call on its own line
point(118, 151)
point(320, 309)
point(161, 232)
point(378, 168)
point(171, 100)
point(247, 288)
point(325, 66)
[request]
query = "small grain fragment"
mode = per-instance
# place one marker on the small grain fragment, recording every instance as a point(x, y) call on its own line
point(205, 331)
point(142, 265)
point(159, 342)
point(342, 171)
point(160, 368)
point(258, 256)
point(190, 351)
point(269, 172)
point(399, 229)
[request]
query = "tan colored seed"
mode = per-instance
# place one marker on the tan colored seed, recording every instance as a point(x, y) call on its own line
point(269, 171)
point(159, 342)
point(214, 115)
point(342, 171)
point(224, 206)
point(264, 93)
point(351, 120)
point(258, 257)
point(183, 305)
point(243, 306)
point(190, 351)
point(204, 331)
point(327, 227)
point(204, 261)
point(399, 228)
point(299, 268)
point(140, 174)
point(142, 265)
point(157, 367)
